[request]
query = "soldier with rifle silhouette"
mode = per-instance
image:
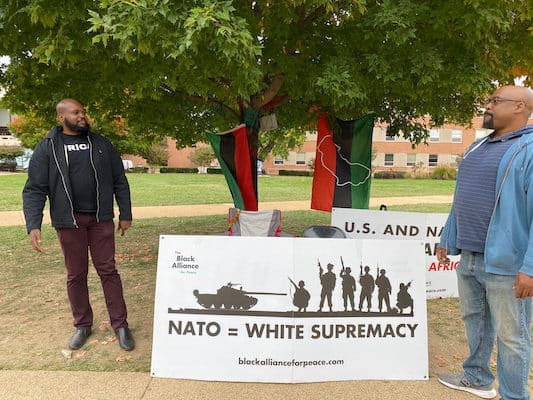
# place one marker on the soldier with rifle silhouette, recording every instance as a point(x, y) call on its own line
point(348, 286)
point(367, 287)
point(301, 296)
point(327, 280)
point(404, 298)
point(384, 289)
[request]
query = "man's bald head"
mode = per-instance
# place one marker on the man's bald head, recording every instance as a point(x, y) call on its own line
point(508, 109)
point(65, 104)
point(518, 93)
point(72, 116)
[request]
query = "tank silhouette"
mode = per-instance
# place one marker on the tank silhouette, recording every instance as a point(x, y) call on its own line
point(229, 297)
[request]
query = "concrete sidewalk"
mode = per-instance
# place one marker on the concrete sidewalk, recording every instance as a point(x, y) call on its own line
point(63, 385)
point(12, 218)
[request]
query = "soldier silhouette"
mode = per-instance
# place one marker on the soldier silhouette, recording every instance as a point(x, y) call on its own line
point(348, 288)
point(384, 290)
point(327, 280)
point(301, 296)
point(367, 288)
point(404, 298)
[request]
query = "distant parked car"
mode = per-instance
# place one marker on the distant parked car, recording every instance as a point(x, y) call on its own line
point(10, 165)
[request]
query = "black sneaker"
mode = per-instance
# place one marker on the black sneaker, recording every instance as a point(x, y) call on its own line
point(460, 382)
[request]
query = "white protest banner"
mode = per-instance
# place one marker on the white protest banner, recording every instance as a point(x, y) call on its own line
point(441, 280)
point(247, 309)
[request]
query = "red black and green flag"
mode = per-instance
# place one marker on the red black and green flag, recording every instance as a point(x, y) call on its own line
point(343, 164)
point(231, 149)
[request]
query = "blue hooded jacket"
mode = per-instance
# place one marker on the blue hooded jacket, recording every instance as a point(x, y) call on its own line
point(509, 241)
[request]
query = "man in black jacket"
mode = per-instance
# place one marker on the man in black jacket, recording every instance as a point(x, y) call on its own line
point(80, 172)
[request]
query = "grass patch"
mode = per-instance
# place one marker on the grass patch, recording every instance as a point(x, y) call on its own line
point(36, 318)
point(181, 189)
point(37, 322)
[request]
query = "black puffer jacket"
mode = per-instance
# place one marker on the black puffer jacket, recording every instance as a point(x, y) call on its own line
point(48, 177)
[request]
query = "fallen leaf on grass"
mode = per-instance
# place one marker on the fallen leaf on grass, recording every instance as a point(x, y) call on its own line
point(440, 360)
point(94, 341)
point(102, 326)
point(67, 354)
point(123, 358)
point(108, 339)
point(79, 354)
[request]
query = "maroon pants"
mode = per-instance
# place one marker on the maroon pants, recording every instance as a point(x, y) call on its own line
point(99, 238)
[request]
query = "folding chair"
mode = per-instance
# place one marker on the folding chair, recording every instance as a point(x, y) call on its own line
point(323, 231)
point(255, 223)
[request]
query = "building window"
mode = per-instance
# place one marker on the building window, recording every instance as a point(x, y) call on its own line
point(457, 135)
point(389, 137)
point(411, 160)
point(278, 160)
point(433, 160)
point(434, 135)
point(389, 160)
point(300, 158)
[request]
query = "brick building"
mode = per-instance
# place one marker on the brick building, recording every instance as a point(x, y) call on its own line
point(444, 147)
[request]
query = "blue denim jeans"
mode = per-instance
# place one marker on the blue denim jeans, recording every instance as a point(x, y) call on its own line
point(490, 310)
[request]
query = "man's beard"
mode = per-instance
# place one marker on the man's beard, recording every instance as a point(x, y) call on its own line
point(488, 121)
point(77, 128)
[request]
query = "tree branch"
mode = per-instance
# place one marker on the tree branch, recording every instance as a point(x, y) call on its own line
point(270, 93)
point(200, 99)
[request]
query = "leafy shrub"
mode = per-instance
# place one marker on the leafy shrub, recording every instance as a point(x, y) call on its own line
point(166, 170)
point(214, 170)
point(202, 156)
point(289, 172)
point(444, 173)
point(9, 153)
point(390, 174)
point(139, 170)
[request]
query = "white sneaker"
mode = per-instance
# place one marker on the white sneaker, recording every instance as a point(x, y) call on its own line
point(460, 382)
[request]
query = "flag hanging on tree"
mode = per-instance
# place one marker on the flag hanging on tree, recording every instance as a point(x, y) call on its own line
point(343, 164)
point(231, 150)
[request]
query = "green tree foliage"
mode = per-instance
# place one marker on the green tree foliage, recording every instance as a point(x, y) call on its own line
point(202, 156)
point(179, 68)
point(10, 153)
point(155, 154)
point(29, 129)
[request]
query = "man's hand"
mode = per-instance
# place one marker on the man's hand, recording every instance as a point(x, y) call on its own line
point(442, 256)
point(123, 226)
point(523, 285)
point(35, 240)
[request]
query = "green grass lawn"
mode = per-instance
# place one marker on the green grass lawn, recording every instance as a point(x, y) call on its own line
point(34, 310)
point(180, 189)
point(37, 322)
